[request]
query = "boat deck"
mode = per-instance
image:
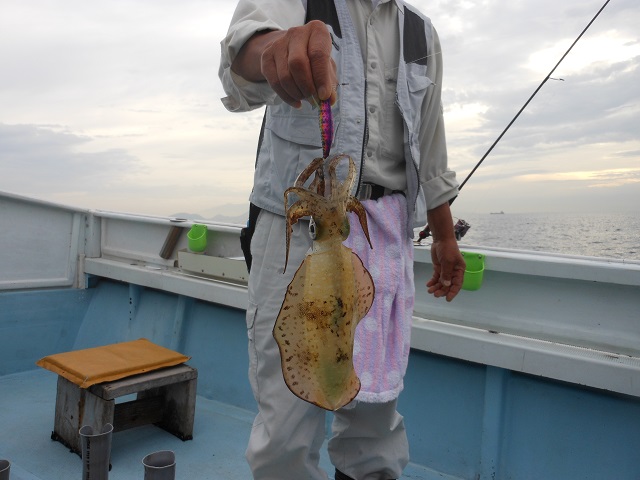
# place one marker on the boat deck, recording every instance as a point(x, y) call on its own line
point(216, 451)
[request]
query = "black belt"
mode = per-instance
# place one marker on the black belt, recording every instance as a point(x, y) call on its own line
point(372, 191)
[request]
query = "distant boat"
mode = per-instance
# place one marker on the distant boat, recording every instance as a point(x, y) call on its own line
point(497, 213)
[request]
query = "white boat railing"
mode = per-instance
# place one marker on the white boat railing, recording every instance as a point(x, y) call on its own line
point(564, 317)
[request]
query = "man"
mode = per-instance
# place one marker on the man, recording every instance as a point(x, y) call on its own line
point(379, 63)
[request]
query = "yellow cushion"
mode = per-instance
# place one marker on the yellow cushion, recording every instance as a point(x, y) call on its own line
point(111, 362)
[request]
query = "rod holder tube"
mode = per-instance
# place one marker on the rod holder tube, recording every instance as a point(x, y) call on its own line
point(160, 465)
point(5, 466)
point(96, 452)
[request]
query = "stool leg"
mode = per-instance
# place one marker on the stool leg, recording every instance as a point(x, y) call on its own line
point(180, 405)
point(75, 408)
point(66, 425)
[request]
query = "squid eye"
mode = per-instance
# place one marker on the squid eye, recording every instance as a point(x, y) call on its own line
point(313, 229)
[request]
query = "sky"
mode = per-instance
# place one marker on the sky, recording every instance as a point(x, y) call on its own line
point(116, 105)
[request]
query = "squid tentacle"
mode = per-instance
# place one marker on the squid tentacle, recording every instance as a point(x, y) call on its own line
point(316, 165)
point(354, 205)
point(338, 189)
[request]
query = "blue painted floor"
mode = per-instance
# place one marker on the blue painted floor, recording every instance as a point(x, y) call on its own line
point(27, 403)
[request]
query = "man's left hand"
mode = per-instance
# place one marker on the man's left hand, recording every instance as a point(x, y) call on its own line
point(448, 269)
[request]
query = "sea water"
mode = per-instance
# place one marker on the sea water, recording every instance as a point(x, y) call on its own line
point(611, 235)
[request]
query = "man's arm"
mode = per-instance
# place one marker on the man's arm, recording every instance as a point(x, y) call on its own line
point(296, 62)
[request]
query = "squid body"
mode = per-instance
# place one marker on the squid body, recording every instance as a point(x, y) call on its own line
point(329, 294)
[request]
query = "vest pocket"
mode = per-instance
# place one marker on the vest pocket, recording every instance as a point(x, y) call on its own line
point(417, 79)
point(417, 84)
point(302, 129)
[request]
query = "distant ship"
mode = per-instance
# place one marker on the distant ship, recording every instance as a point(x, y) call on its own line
point(497, 213)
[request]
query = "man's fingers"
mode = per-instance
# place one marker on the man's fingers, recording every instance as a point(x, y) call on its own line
point(278, 73)
point(299, 75)
point(323, 69)
point(298, 65)
point(453, 291)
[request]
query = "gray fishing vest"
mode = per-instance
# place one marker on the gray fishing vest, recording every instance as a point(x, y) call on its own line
point(290, 138)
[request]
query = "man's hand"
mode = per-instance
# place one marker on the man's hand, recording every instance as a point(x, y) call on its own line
point(448, 269)
point(448, 263)
point(296, 63)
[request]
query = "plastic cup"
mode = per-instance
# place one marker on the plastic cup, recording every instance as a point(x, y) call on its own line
point(197, 237)
point(474, 271)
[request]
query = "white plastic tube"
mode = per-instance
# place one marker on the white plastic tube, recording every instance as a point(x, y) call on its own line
point(160, 465)
point(96, 452)
point(5, 466)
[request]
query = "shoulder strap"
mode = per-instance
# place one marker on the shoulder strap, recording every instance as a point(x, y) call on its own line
point(324, 10)
point(415, 38)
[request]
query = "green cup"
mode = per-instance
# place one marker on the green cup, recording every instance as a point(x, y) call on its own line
point(197, 238)
point(474, 271)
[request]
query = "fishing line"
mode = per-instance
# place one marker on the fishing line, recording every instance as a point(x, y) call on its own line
point(426, 231)
point(417, 60)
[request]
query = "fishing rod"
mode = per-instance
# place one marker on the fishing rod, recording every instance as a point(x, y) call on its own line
point(461, 227)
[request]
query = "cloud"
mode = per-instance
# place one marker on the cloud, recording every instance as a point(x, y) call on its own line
point(44, 160)
point(628, 153)
point(594, 106)
point(488, 76)
point(50, 162)
point(598, 179)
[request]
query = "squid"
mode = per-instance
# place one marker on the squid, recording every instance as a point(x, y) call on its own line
point(329, 294)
